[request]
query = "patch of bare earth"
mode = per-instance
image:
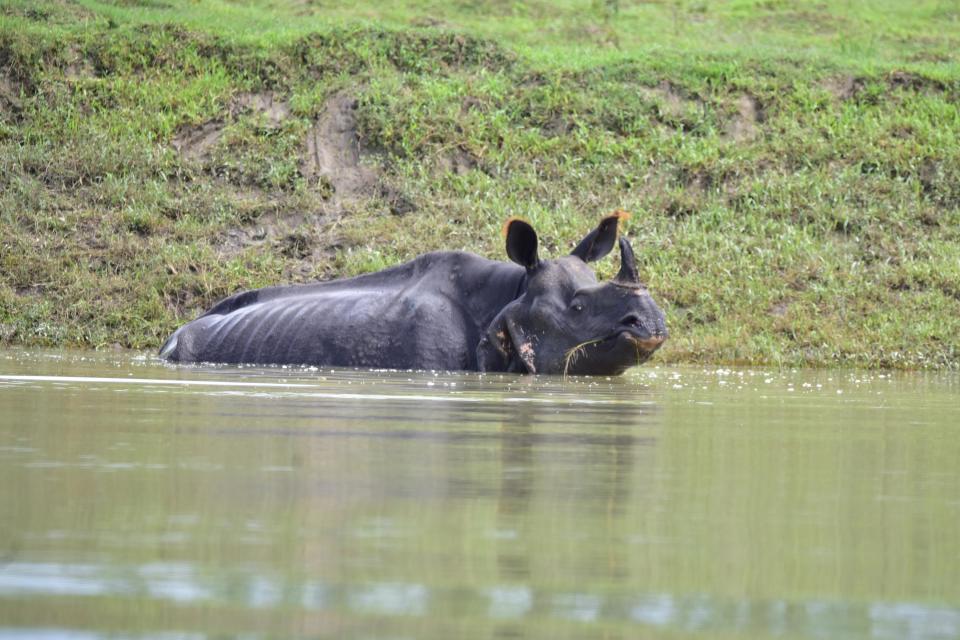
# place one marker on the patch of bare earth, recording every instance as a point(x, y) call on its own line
point(195, 142)
point(332, 162)
point(332, 153)
point(843, 87)
point(814, 22)
point(274, 109)
point(307, 7)
point(779, 309)
point(743, 126)
point(427, 22)
point(10, 102)
point(914, 82)
point(307, 240)
point(458, 161)
point(673, 104)
point(603, 35)
point(668, 95)
point(79, 67)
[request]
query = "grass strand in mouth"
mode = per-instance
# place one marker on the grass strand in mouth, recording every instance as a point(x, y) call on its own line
point(574, 353)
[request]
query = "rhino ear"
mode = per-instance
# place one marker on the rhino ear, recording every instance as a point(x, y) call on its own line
point(600, 241)
point(505, 346)
point(521, 243)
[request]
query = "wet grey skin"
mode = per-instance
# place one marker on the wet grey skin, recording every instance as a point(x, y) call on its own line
point(449, 310)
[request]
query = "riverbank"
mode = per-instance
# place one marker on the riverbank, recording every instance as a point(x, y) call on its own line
point(793, 168)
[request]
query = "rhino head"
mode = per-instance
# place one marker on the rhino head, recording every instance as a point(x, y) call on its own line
point(566, 322)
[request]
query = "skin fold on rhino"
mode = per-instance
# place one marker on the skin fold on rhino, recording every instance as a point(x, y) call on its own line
point(447, 310)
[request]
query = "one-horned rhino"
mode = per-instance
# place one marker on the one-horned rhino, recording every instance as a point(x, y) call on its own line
point(447, 310)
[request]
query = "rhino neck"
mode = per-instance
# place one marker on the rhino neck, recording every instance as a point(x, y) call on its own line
point(488, 287)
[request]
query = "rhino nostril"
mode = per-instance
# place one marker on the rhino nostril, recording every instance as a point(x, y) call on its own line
point(631, 321)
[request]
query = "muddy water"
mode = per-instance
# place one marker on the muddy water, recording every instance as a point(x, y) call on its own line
point(144, 501)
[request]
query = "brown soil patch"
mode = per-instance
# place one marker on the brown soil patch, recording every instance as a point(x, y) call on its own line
point(9, 96)
point(914, 82)
point(557, 126)
point(194, 142)
point(332, 152)
point(458, 161)
point(600, 34)
point(270, 224)
point(669, 96)
point(823, 23)
point(673, 103)
point(273, 109)
point(267, 222)
point(31, 290)
point(79, 67)
point(779, 309)
point(307, 7)
point(931, 175)
point(398, 203)
point(79, 70)
point(843, 87)
point(309, 241)
point(743, 127)
point(471, 103)
point(931, 56)
point(848, 87)
point(426, 22)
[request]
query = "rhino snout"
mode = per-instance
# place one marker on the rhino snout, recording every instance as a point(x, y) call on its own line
point(652, 343)
point(643, 326)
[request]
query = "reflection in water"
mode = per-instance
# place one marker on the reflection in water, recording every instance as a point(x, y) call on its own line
point(263, 503)
point(516, 479)
point(181, 584)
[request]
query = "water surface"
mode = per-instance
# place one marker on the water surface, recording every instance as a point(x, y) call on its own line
point(148, 501)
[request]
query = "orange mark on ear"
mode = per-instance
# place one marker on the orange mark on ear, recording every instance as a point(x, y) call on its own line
point(621, 216)
point(506, 225)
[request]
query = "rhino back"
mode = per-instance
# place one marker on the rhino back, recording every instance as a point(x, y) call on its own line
point(425, 314)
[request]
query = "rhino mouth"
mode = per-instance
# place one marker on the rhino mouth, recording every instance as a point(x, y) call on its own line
point(629, 343)
point(631, 329)
point(613, 354)
point(648, 345)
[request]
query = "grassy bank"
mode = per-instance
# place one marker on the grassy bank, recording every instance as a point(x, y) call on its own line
point(793, 167)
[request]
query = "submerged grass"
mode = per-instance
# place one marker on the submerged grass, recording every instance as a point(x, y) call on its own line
point(792, 167)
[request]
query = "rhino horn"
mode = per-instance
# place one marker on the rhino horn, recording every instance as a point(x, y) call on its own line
point(628, 276)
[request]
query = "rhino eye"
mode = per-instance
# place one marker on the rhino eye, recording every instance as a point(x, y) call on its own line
point(577, 306)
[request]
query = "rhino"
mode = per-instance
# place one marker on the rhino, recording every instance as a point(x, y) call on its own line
point(447, 310)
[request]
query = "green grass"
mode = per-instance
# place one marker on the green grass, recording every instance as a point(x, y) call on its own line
point(792, 167)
